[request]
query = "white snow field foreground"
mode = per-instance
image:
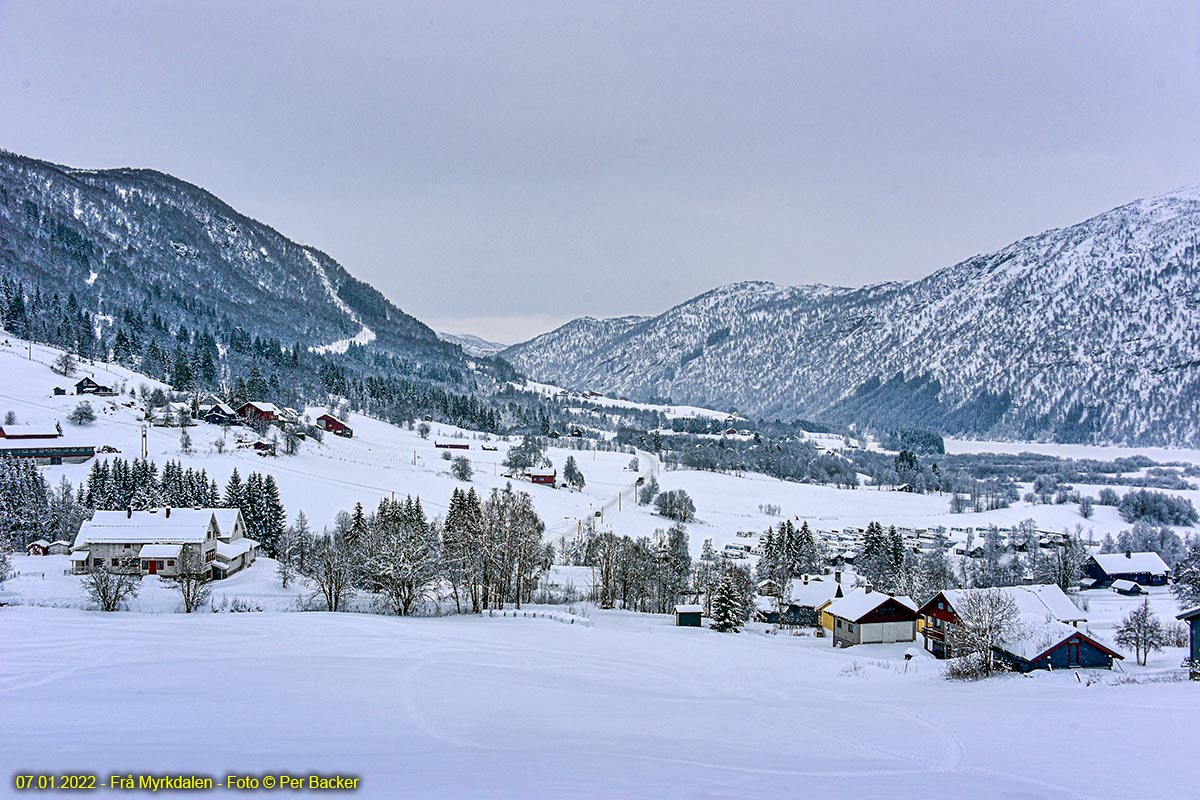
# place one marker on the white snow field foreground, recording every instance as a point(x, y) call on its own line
point(631, 707)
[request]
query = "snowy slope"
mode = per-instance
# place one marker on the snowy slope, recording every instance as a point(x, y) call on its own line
point(144, 240)
point(1083, 334)
point(473, 345)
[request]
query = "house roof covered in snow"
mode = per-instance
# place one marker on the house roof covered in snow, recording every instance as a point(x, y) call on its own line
point(71, 439)
point(79, 555)
point(858, 604)
point(39, 543)
point(689, 609)
point(1123, 585)
point(263, 406)
point(29, 431)
point(1118, 563)
point(1035, 636)
point(1039, 600)
point(180, 526)
point(813, 593)
point(238, 547)
point(160, 551)
point(1191, 613)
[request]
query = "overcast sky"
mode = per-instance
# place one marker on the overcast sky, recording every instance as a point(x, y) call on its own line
point(499, 168)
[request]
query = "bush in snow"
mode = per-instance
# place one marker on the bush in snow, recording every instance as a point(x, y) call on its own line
point(1086, 507)
point(461, 468)
point(82, 414)
point(423, 431)
point(109, 590)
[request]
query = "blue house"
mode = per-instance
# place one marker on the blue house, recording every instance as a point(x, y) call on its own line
point(1192, 618)
point(1053, 645)
point(1145, 569)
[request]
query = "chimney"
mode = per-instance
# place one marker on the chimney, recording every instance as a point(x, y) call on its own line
point(1129, 554)
point(837, 576)
point(128, 512)
point(168, 512)
point(867, 589)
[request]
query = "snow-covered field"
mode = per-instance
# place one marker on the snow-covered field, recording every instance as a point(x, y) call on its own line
point(466, 707)
point(1103, 452)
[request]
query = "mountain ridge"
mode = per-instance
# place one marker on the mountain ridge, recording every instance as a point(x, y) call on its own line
point(1036, 340)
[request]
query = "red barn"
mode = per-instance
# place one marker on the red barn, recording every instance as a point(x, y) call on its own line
point(333, 425)
point(256, 410)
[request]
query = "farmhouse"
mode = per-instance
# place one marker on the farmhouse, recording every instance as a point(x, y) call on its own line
point(45, 445)
point(1146, 569)
point(1035, 603)
point(259, 411)
point(1192, 618)
point(154, 542)
point(871, 617)
point(332, 424)
point(89, 386)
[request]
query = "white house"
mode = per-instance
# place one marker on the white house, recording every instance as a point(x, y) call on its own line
point(153, 542)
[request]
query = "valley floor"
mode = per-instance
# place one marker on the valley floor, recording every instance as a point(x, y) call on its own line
point(628, 707)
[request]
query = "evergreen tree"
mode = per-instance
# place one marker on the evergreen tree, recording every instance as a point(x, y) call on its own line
point(726, 606)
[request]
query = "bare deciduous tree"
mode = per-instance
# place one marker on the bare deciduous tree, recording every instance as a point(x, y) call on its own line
point(192, 579)
point(986, 617)
point(109, 589)
point(330, 565)
point(1142, 631)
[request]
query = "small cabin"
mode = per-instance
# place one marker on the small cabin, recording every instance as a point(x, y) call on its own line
point(546, 477)
point(59, 391)
point(1127, 588)
point(688, 616)
point(452, 445)
point(39, 548)
point(331, 424)
point(59, 547)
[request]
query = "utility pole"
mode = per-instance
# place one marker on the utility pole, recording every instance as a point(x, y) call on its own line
point(145, 446)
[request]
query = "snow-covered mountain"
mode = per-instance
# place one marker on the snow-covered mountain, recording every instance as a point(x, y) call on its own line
point(139, 239)
point(1085, 333)
point(472, 345)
